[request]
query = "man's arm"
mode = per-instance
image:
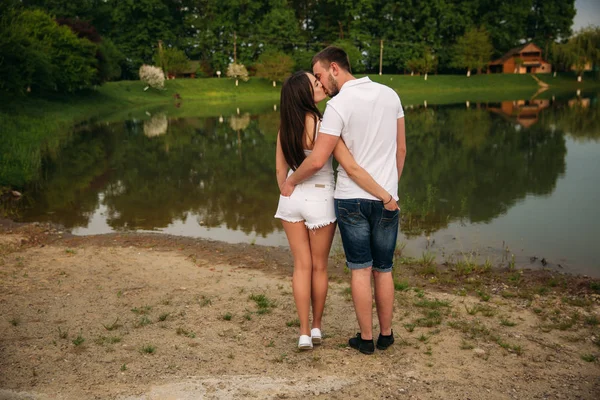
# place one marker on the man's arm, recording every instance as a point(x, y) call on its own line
point(322, 149)
point(401, 146)
point(361, 176)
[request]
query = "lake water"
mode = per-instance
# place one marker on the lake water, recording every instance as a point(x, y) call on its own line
point(492, 181)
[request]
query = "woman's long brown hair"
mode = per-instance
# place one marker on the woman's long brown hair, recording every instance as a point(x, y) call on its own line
point(297, 100)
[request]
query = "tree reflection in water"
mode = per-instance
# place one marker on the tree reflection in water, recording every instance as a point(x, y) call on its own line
point(463, 163)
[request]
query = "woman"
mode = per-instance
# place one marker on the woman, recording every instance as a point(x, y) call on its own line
point(308, 215)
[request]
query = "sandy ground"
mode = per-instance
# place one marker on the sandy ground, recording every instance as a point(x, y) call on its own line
point(149, 317)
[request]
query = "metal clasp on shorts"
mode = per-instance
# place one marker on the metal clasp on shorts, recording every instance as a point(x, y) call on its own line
point(319, 185)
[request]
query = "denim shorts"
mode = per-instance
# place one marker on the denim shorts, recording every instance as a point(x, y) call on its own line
point(369, 233)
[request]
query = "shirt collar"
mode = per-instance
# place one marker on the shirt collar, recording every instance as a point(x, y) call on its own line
point(355, 82)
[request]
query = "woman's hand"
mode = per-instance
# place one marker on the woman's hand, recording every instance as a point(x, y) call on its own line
point(287, 188)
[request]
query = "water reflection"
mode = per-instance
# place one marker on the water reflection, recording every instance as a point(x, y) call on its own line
point(523, 112)
point(156, 126)
point(467, 166)
point(470, 163)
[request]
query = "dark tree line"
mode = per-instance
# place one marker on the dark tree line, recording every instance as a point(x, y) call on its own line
point(210, 30)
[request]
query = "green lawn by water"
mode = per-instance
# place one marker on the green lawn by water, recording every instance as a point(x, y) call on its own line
point(215, 93)
point(438, 89)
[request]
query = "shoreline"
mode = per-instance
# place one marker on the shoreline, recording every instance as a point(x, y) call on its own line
point(138, 316)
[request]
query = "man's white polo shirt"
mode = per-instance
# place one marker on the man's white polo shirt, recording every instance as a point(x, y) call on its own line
point(365, 114)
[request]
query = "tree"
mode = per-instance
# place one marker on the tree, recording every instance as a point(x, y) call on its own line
point(110, 60)
point(414, 65)
point(173, 60)
point(473, 50)
point(581, 51)
point(137, 27)
point(38, 54)
point(548, 21)
point(426, 63)
point(505, 20)
point(269, 31)
point(237, 71)
point(108, 56)
point(23, 61)
point(275, 66)
point(518, 64)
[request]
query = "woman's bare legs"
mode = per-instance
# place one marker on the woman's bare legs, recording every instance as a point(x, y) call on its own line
point(297, 235)
point(320, 245)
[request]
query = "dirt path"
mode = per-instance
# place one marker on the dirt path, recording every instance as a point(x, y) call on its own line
point(146, 317)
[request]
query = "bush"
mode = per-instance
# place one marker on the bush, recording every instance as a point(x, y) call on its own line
point(237, 71)
point(152, 76)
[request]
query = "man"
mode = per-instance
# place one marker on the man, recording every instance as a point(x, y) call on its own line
point(370, 119)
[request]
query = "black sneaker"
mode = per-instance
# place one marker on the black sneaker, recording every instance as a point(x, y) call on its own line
point(364, 346)
point(383, 342)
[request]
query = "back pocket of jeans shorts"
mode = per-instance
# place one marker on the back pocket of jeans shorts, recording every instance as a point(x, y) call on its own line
point(348, 212)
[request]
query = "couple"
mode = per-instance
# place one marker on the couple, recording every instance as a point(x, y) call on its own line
point(369, 119)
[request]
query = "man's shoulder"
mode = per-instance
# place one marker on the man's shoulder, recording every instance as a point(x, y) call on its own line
point(388, 90)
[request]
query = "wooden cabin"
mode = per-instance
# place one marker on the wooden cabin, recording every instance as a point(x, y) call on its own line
point(190, 72)
point(526, 59)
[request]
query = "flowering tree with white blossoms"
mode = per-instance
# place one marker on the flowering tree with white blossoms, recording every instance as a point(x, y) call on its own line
point(237, 71)
point(152, 76)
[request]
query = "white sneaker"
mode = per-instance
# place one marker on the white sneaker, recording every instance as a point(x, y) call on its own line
point(305, 342)
point(315, 334)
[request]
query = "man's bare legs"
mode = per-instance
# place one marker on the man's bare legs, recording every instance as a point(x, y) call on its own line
point(363, 301)
point(384, 299)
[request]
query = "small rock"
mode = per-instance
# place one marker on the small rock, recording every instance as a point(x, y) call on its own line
point(479, 352)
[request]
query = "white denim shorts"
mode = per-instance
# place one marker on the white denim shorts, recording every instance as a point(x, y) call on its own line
point(311, 203)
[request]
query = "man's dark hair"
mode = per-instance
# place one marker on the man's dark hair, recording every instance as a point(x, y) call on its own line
point(332, 54)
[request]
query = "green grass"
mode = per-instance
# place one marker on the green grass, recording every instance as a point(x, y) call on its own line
point(589, 357)
point(78, 341)
point(141, 310)
point(144, 320)
point(263, 303)
point(163, 316)
point(401, 285)
point(101, 340)
point(295, 322)
point(184, 332)
point(148, 349)
point(432, 304)
point(444, 89)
